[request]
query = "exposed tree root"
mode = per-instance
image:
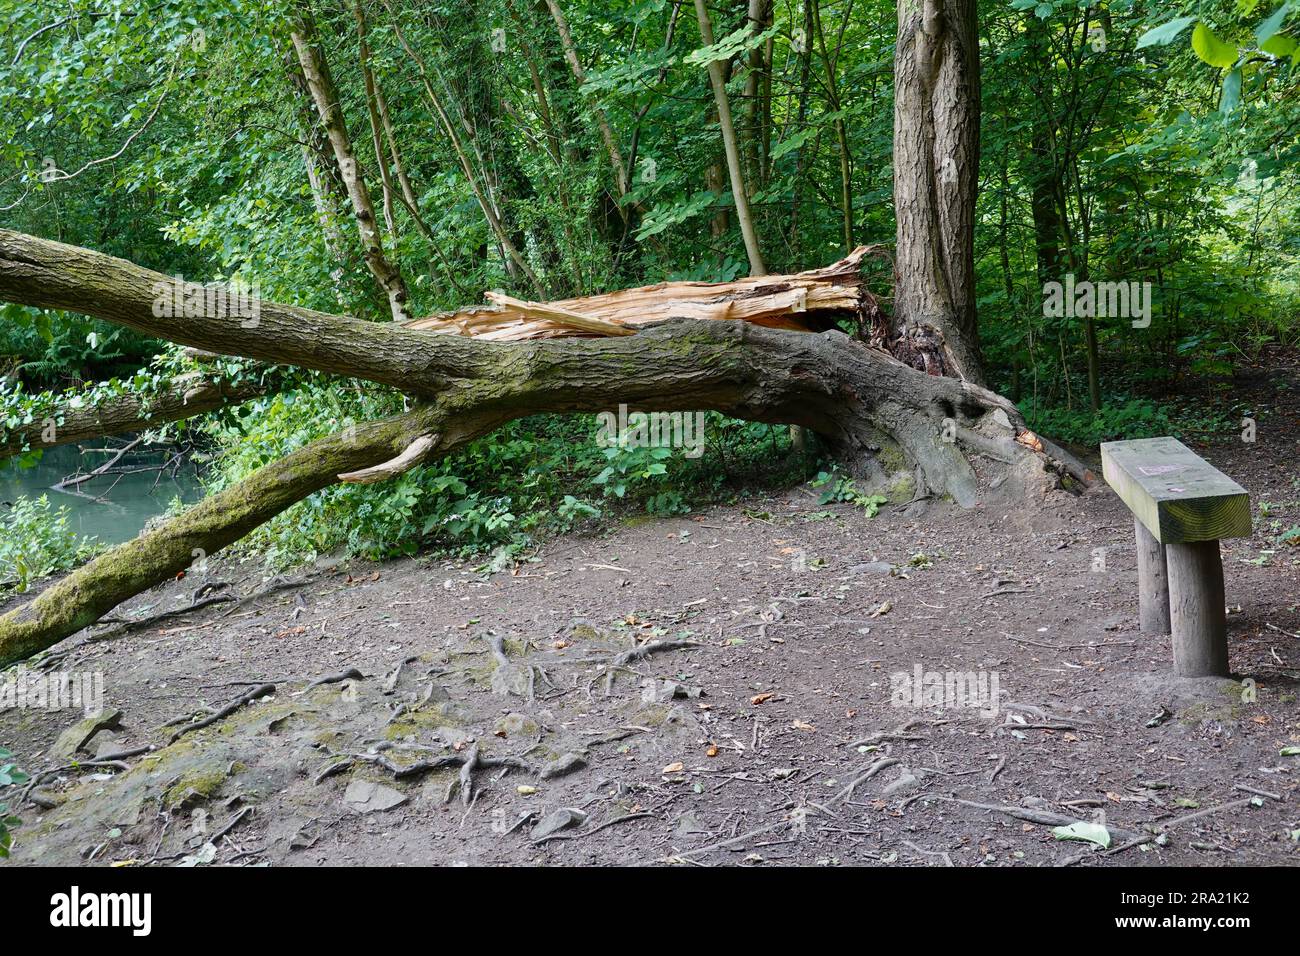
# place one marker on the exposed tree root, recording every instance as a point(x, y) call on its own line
point(243, 699)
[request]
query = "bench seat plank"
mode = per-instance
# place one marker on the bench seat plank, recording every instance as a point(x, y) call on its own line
point(1177, 495)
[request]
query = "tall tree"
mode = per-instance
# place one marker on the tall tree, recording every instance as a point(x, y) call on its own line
point(732, 147)
point(320, 82)
point(936, 166)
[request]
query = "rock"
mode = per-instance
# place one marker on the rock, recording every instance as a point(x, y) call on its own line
point(363, 796)
point(874, 567)
point(510, 680)
point(566, 763)
point(107, 744)
point(688, 825)
point(558, 820)
point(906, 781)
point(514, 725)
point(79, 734)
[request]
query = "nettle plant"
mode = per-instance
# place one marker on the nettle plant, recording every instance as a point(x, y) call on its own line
point(10, 775)
point(838, 488)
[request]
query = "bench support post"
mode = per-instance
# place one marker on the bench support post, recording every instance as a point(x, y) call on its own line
point(1153, 582)
point(1199, 627)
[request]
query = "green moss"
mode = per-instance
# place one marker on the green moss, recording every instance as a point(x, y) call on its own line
point(202, 783)
point(891, 456)
point(412, 723)
point(902, 489)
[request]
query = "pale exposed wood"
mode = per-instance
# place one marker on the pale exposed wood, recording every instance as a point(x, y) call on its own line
point(797, 302)
point(549, 312)
point(1153, 582)
point(415, 453)
point(1178, 495)
point(1200, 630)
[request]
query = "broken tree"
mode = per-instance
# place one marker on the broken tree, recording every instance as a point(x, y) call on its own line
point(892, 424)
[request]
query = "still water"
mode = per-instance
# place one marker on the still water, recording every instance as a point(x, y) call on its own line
point(121, 512)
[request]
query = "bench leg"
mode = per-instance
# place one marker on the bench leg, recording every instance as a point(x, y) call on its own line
point(1153, 582)
point(1200, 630)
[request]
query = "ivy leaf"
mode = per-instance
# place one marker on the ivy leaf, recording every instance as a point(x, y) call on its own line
point(1272, 25)
point(1280, 46)
point(1165, 33)
point(1231, 92)
point(1211, 49)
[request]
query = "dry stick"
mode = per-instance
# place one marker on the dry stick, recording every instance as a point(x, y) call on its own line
point(1259, 793)
point(866, 775)
point(1230, 805)
point(80, 479)
point(247, 698)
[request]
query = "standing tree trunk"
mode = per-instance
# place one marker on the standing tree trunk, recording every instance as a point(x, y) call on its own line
point(936, 165)
point(316, 71)
point(738, 191)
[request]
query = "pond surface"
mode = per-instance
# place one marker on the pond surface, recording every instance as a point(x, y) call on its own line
point(112, 508)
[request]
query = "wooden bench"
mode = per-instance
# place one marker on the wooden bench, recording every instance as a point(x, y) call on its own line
point(1182, 506)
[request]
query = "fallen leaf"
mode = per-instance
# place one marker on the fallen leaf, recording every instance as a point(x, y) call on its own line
point(761, 698)
point(675, 767)
point(802, 725)
point(1087, 832)
point(712, 751)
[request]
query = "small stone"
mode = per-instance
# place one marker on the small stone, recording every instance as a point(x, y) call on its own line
point(363, 796)
point(79, 734)
point(558, 820)
point(567, 763)
point(874, 567)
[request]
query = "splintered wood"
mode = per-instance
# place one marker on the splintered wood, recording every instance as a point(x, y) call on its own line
point(807, 301)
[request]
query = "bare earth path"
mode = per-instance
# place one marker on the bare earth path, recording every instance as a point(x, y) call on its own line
point(738, 747)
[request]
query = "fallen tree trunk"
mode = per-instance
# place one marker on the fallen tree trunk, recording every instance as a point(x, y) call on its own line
point(914, 434)
point(67, 423)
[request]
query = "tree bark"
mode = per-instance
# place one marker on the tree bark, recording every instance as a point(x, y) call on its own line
point(936, 165)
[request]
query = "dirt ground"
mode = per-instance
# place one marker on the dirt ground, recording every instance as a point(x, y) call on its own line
point(771, 734)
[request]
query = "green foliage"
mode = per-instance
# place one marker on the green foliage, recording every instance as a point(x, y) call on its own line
point(839, 488)
point(1135, 418)
point(36, 541)
point(9, 775)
